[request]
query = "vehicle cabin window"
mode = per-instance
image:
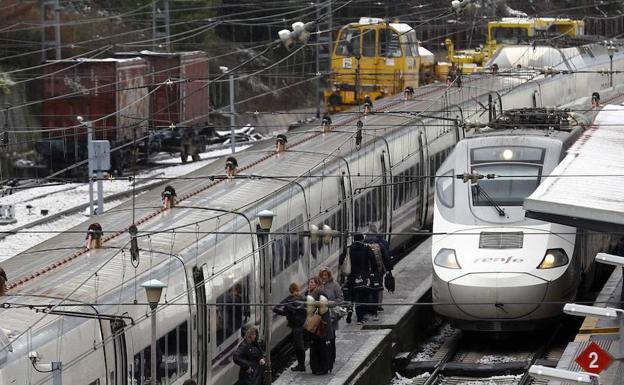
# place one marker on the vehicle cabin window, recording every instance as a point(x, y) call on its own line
point(348, 42)
point(504, 35)
point(410, 43)
point(519, 171)
point(444, 188)
point(368, 42)
point(172, 358)
point(230, 318)
point(389, 45)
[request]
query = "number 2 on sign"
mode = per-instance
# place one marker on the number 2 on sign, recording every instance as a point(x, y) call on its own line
point(593, 364)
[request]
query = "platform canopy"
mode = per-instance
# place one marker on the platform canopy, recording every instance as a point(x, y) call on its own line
point(587, 188)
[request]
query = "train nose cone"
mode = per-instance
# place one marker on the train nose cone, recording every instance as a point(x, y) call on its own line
point(498, 295)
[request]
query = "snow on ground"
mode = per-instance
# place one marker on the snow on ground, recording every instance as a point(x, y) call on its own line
point(15, 244)
point(63, 197)
point(494, 359)
point(203, 155)
point(496, 380)
point(429, 349)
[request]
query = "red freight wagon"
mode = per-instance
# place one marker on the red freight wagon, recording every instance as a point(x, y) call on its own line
point(185, 101)
point(111, 93)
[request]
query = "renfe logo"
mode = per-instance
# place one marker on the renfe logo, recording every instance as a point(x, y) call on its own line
point(501, 260)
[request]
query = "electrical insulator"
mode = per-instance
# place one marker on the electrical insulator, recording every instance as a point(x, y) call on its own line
point(134, 244)
point(358, 134)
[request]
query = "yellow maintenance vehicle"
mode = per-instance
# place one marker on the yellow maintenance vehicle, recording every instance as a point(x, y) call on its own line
point(510, 31)
point(375, 58)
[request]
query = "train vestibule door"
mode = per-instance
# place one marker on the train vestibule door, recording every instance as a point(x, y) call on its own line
point(385, 195)
point(204, 360)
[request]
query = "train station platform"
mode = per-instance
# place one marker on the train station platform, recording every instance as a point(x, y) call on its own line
point(604, 332)
point(364, 352)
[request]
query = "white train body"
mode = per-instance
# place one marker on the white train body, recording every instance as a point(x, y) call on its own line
point(205, 250)
point(493, 268)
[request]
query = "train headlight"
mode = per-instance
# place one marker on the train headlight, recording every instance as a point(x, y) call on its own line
point(554, 258)
point(446, 258)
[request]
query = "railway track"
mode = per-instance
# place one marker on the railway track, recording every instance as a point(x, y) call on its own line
point(475, 359)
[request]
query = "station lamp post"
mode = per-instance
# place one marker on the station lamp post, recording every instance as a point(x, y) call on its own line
point(265, 221)
point(611, 52)
point(226, 70)
point(153, 290)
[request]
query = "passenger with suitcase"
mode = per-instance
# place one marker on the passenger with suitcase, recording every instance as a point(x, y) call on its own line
point(362, 264)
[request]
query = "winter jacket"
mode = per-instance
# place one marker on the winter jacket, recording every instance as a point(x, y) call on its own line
point(362, 260)
point(333, 291)
point(385, 249)
point(293, 308)
point(247, 356)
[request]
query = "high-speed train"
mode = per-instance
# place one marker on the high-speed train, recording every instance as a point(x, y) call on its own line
point(495, 269)
point(87, 310)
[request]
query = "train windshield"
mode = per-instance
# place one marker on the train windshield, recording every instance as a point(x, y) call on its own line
point(349, 43)
point(510, 35)
point(517, 169)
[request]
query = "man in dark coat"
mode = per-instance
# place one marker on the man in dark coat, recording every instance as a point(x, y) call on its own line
point(250, 357)
point(384, 262)
point(363, 264)
point(293, 308)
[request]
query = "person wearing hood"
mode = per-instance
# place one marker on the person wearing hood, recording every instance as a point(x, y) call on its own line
point(320, 340)
point(250, 357)
point(293, 309)
point(334, 294)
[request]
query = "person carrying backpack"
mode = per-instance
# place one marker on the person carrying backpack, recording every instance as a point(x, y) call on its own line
point(381, 250)
point(363, 264)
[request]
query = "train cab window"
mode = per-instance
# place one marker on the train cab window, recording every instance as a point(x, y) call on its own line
point(510, 35)
point(348, 42)
point(519, 172)
point(389, 45)
point(368, 42)
point(444, 188)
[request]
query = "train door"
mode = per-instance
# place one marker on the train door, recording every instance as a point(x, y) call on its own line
point(423, 183)
point(384, 191)
point(120, 349)
point(344, 217)
point(115, 352)
point(203, 327)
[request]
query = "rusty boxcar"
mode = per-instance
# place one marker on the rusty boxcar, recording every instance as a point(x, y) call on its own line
point(180, 98)
point(110, 93)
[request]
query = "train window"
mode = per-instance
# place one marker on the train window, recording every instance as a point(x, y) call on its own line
point(389, 44)
point(161, 363)
point(368, 43)
point(231, 317)
point(356, 212)
point(183, 352)
point(515, 182)
point(507, 154)
point(171, 361)
point(444, 188)
point(348, 42)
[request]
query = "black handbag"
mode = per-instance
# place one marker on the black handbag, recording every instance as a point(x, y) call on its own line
point(389, 282)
